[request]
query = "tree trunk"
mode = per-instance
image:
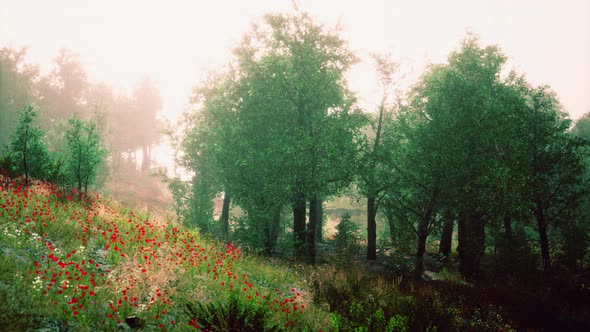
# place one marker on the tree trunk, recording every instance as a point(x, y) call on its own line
point(79, 173)
point(371, 229)
point(446, 238)
point(224, 219)
point(422, 236)
point(311, 228)
point(371, 199)
point(544, 241)
point(419, 263)
point(116, 160)
point(145, 160)
point(506, 245)
point(25, 152)
point(319, 221)
point(201, 204)
point(390, 215)
point(471, 244)
point(508, 229)
point(299, 223)
point(271, 231)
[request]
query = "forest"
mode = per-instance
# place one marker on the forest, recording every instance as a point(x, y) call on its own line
point(459, 204)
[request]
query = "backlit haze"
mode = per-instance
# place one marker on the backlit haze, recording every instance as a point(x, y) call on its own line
point(177, 43)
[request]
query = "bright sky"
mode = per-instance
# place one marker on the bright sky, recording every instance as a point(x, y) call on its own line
point(177, 42)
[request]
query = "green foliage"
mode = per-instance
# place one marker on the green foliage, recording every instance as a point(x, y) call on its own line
point(17, 89)
point(397, 323)
point(582, 127)
point(85, 153)
point(376, 172)
point(574, 240)
point(347, 236)
point(488, 319)
point(515, 254)
point(200, 204)
point(359, 301)
point(180, 193)
point(485, 148)
point(28, 148)
point(125, 123)
point(233, 314)
point(575, 232)
point(277, 128)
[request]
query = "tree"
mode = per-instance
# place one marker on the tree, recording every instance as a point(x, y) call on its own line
point(467, 115)
point(297, 102)
point(85, 153)
point(347, 235)
point(446, 237)
point(198, 159)
point(278, 128)
point(375, 174)
point(146, 127)
point(582, 127)
point(415, 197)
point(27, 146)
point(63, 90)
point(499, 148)
point(554, 163)
point(577, 232)
point(17, 88)
point(217, 142)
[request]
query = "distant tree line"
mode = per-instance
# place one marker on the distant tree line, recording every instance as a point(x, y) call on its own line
point(126, 122)
point(468, 148)
point(62, 127)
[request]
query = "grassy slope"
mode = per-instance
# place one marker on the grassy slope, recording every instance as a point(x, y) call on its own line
point(90, 265)
point(76, 266)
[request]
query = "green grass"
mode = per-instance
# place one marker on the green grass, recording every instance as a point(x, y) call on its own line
point(96, 265)
point(93, 264)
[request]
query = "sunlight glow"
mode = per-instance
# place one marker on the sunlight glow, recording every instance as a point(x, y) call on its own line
point(178, 43)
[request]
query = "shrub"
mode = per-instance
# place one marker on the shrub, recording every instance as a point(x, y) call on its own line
point(347, 236)
point(234, 314)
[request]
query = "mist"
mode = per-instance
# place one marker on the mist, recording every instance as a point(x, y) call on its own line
point(129, 122)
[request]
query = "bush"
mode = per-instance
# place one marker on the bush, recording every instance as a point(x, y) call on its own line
point(347, 236)
point(573, 240)
point(234, 314)
point(514, 257)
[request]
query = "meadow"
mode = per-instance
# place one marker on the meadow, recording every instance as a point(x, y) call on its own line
point(93, 264)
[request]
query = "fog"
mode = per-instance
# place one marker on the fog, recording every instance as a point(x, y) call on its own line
point(119, 46)
point(177, 44)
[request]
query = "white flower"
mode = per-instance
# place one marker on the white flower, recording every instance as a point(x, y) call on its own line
point(37, 283)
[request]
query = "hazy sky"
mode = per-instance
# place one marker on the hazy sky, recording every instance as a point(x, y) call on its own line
point(177, 42)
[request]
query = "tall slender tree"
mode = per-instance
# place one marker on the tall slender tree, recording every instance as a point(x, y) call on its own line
point(375, 174)
point(28, 147)
point(17, 88)
point(85, 153)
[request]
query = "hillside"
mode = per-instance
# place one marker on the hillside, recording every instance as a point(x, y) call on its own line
point(93, 264)
point(97, 265)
